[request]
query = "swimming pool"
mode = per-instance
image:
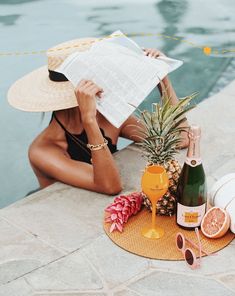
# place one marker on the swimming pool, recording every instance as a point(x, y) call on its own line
point(36, 25)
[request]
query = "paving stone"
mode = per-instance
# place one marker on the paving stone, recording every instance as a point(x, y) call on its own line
point(228, 280)
point(210, 265)
point(69, 293)
point(13, 269)
point(226, 168)
point(131, 173)
point(21, 252)
point(72, 272)
point(210, 182)
point(18, 287)
point(218, 132)
point(126, 293)
point(113, 263)
point(229, 89)
point(170, 284)
point(67, 217)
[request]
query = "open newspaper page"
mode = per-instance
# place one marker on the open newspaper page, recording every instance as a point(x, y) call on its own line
point(127, 77)
point(120, 38)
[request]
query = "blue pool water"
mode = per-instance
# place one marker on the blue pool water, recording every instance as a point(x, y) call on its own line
point(35, 25)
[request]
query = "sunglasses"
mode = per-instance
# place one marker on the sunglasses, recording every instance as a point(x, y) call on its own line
point(190, 256)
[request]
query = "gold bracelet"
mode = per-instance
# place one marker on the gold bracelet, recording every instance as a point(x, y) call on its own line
point(97, 146)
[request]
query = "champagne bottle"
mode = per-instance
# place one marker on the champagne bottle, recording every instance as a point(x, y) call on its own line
point(191, 189)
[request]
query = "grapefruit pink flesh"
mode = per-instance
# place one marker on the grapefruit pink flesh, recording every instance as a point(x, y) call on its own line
point(215, 223)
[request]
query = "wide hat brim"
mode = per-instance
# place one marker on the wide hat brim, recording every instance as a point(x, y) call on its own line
point(35, 92)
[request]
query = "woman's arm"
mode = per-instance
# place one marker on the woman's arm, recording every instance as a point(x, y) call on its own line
point(105, 172)
point(102, 176)
point(132, 127)
point(52, 162)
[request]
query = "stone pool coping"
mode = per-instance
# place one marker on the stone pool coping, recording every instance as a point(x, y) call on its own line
point(52, 242)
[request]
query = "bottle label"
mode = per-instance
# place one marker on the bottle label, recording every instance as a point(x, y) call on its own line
point(193, 162)
point(190, 216)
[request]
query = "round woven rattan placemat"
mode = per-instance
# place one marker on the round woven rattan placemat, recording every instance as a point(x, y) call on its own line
point(164, 248)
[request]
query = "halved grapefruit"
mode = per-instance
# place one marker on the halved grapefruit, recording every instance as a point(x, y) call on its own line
point(215, 223)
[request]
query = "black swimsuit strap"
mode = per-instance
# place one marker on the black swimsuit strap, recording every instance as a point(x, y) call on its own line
point(76, 140)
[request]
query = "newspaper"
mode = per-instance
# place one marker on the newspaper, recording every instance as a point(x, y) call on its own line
point(120, 67)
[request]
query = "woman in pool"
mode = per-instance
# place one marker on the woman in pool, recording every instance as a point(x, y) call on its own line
point(60, 152)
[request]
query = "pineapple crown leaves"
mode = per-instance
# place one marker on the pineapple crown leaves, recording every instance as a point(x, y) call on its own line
point(162, 121)
point(160, 151)
point(162, 127)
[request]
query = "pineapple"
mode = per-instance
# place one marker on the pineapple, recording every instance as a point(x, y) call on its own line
point(160, 144)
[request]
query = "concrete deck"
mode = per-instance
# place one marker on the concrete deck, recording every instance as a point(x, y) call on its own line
point(52, 242)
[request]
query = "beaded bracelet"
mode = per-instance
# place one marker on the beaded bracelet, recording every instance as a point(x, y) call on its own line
point(97, 146)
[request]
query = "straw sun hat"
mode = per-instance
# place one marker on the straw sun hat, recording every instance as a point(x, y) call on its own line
point(44, 89)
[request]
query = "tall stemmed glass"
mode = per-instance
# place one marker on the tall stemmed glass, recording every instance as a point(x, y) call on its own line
point(154, 184)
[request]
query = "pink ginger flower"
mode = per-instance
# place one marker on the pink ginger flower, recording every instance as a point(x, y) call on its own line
point(123, 207)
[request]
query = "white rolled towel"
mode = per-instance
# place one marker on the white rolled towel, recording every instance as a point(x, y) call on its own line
point(222, 194)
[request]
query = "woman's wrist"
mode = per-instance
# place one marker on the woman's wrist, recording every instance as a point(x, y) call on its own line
point(96, 141)
point(93, 131)
point(165, 84)
point(87, 120)
point(166, 81)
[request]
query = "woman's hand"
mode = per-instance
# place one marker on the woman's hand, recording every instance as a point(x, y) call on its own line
point(85, 92)
point(153, 53)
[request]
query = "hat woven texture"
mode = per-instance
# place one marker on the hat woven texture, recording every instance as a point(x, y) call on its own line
point(35, 92)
